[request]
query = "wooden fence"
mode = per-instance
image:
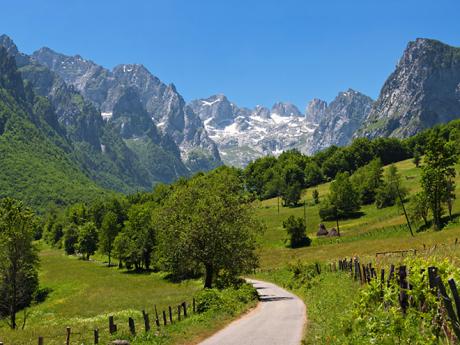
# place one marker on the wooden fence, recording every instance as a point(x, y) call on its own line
point(366, 273)
point(163, 319)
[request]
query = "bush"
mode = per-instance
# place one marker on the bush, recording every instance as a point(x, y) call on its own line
point(229, 300)
point(208, 299)
point(295, 228)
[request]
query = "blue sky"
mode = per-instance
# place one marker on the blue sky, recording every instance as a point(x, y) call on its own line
point(255, 52)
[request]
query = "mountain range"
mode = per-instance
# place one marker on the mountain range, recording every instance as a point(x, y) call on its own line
point(125, 130)
point(424, 90)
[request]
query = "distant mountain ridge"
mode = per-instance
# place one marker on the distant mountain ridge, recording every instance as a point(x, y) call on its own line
point(127, 130)
point(162, 102)
point(244, 134)
point(424, 90)
point(126, 151)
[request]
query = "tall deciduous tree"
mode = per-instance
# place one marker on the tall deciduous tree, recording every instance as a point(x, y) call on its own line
point(107, 233)
point(438, 173)
point(388, 193)
point(343, 198)
point(18, 258)
point(87, 239)
point(207, 224)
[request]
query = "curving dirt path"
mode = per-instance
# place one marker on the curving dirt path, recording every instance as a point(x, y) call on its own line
point(279, 319)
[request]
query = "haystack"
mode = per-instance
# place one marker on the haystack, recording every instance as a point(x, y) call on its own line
point(333, 233)
point(322, 231)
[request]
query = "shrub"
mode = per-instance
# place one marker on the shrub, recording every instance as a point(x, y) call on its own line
point(229, 300)
point(295, 228)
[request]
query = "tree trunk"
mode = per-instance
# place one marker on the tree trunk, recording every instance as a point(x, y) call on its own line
point(208, 277)
point(109, 258)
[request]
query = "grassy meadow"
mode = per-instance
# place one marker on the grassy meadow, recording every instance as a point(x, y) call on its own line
point(330, 296)
point(82, 295)
point(376, 230)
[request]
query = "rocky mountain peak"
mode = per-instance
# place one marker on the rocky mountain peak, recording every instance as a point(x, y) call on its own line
point(339, 120)
point(12, 50)
point(261, 111)
point(423, 90)
point(285, 109)
point(9, 45)
point(315, 110)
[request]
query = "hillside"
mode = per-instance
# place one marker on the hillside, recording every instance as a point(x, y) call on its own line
point(37, 163)
point(377, 230)
point(423, 90)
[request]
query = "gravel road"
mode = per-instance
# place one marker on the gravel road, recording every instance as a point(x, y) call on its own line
point(279, 319)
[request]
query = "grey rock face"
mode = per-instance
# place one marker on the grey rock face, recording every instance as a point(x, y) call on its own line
point(261, 111)
point(421, 92)
point(243, 134)
point(162, 102)
point(12, 50)
point(285, 109)
point(340, 120)
point(315, 110)
point(217, 109)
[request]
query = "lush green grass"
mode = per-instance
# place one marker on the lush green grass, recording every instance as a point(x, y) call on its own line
point(375, 231)
point(330, 296)
point(83, 295)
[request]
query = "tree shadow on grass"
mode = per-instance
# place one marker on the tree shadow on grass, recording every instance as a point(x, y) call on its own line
point(139, 271)
point(42, 294)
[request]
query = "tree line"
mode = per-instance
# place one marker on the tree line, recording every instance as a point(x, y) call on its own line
point(286, 175)
point(201, 226)
point(371, 184)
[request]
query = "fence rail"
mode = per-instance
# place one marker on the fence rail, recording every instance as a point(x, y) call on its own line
point(366, 273)
point(182, 313)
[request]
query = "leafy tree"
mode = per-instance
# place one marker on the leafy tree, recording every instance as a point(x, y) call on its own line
point(295, 228)
point(291, 194)
point(343, 198)
point(367, 179)
point(18, 258)
point(87, 239)
point(313, 174)
point(108, 231)
point(438, 173)
point(417, 158)
point(254, 174)
point(207, 224)
point(139, 229)
point(122, 248)
point(315, 196)
point(419, 208)
point(450, 196)
point(338, 162)
point(70, 239)
point(388, 193)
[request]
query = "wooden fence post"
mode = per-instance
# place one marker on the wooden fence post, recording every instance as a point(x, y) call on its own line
point(112, 325)
point(453, 288)
point(165, 322)
point(132, 327)
point(178, 312)
point(40, 341)
point(432, 273)
point(170, 314)
point(96, 336)
point(194, 305)
point(390, 276)
point(318, 270)
point(146, 320)
point(403, 298)
point(67, 340)
point(157, 320)
point(184, 305)
point(448, 305)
